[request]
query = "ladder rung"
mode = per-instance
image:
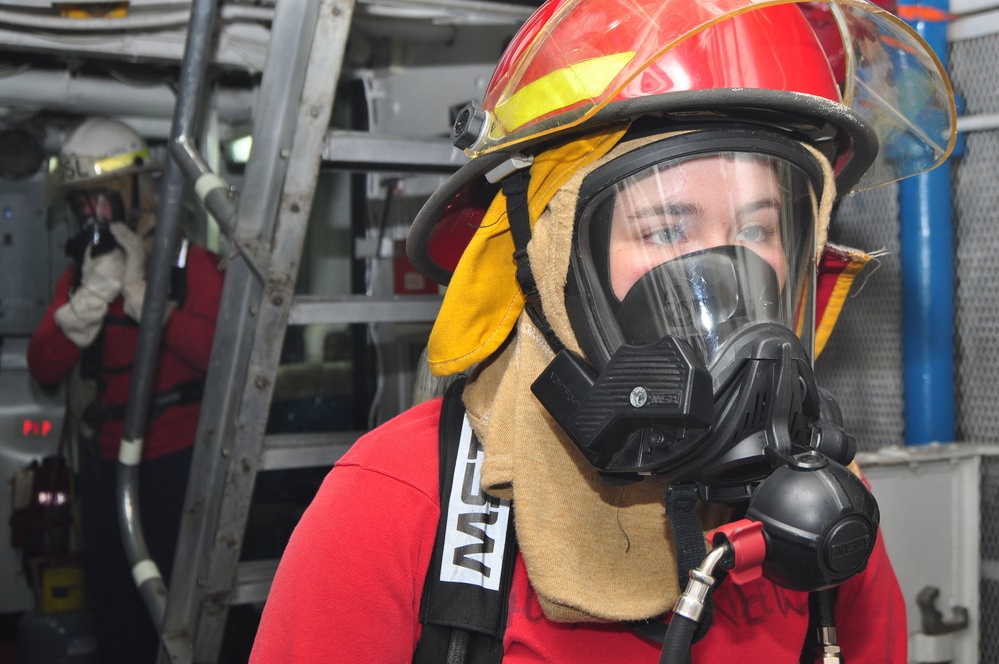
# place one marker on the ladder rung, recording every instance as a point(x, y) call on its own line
point(510, 10)
point(310, 309)
point(368, 151)
point(253, 581)
point(305, 450)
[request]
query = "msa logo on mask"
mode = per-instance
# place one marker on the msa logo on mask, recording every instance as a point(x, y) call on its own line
point(475, 538)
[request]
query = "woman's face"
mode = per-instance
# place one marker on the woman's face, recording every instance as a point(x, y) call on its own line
point(693, 205)
point(92, 205)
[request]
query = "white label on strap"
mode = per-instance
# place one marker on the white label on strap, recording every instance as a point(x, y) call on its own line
point(475, 538)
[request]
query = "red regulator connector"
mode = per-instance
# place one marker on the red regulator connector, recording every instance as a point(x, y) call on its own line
point(748, 547)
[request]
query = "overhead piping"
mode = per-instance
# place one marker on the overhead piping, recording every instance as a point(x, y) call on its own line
point(146, 20)
point(60, 90)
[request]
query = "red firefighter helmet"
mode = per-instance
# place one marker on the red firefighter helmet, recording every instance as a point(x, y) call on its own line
point(579, 64)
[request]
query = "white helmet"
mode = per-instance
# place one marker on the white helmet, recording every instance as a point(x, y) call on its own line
point(100, 149)
point(103, 160)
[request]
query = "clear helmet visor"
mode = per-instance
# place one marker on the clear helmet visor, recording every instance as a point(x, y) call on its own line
point(696, 246)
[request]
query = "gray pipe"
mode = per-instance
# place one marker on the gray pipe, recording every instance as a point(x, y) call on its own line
point(217, 197)
point(192, 75)
point(150, 20)
point(64, 91)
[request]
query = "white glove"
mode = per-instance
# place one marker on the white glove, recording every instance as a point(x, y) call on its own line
point(133, 286)
point(81, 318)
point(102, 275)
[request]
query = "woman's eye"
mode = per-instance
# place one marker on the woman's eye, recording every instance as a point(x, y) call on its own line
point(755, 233)
point(670, 234)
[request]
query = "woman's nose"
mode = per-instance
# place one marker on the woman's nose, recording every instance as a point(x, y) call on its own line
point(715, 233)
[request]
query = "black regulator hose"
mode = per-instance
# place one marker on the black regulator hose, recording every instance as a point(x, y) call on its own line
point(676, 647)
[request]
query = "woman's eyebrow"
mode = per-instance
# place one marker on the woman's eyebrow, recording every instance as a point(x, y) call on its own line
point(765, 203)
point(692, 209)
point(666, 209)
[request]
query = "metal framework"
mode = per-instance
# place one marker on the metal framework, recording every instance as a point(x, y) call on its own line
point(307, 43)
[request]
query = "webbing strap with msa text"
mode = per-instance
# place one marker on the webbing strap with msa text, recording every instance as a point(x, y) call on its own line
point(465, 595)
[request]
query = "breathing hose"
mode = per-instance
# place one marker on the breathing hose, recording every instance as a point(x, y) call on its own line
point(676, 647)
point(690, 606)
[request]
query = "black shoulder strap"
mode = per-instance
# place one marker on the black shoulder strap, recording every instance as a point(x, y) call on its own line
point(467, 588)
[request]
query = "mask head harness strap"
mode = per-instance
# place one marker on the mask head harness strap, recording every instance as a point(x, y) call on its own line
point(515, 188)
point(133, 214)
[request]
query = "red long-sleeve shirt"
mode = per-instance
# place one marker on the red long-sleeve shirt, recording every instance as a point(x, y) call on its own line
point(185, 349)
point(349, 585)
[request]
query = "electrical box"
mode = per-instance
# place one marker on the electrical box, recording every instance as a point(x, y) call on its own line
point(930, 497)
point(31, 256)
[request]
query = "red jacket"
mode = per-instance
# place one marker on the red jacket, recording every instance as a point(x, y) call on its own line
point(186, 346)
point(350, 581)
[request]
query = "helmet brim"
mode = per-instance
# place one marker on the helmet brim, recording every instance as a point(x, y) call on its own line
point(825, 124)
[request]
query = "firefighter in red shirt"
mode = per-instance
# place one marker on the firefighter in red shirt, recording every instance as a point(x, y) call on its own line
point(634, 259)
point(88, 337)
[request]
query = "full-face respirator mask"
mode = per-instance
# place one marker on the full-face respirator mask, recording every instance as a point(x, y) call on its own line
point(691, 292)
point(91, 213)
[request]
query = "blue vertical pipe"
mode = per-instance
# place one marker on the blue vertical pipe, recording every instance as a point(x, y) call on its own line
point(927, 260)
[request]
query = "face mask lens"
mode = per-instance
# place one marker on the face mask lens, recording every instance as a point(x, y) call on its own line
point(700, 247)
point(93, 210)
point(702, 297)
point(81, 210)
point(674, 210)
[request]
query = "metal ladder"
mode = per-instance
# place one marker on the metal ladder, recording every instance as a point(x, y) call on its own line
point(266, 227)
point(292, 116)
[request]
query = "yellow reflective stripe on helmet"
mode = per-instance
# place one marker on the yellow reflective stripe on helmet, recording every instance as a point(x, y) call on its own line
point(118, 162)
point(560, 89)
point(74, 170)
